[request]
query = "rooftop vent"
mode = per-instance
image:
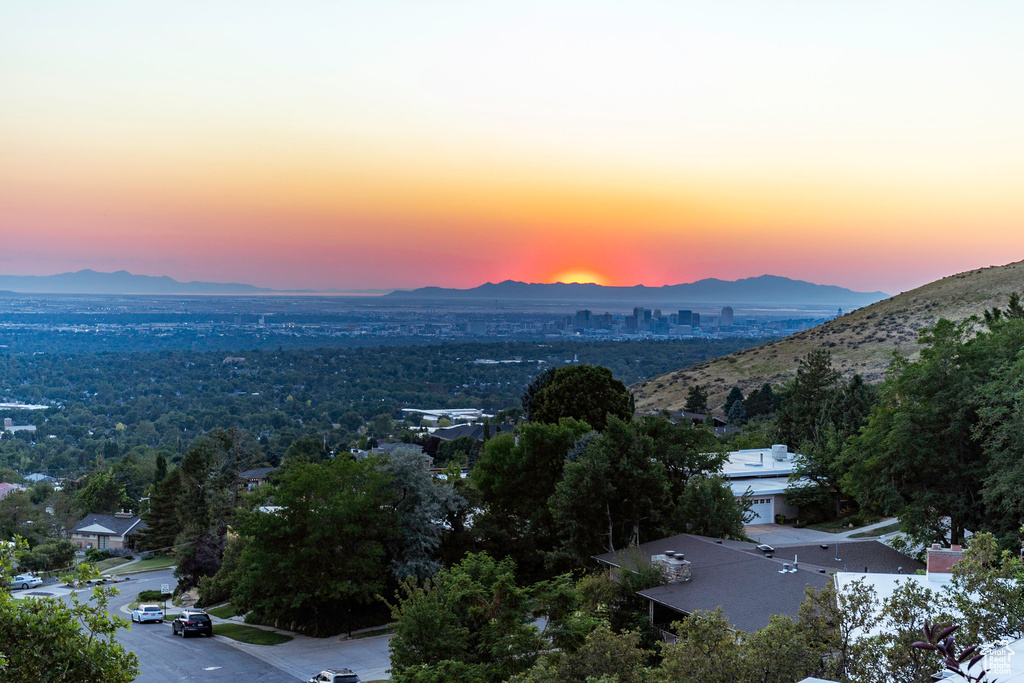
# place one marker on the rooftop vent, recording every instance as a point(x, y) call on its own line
point(779, 452)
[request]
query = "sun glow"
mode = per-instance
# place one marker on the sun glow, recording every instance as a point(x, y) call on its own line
point(581, 275)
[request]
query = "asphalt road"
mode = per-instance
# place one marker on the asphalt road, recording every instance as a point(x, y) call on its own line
point(166, 657)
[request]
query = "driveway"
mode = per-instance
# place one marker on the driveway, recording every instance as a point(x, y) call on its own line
point(305, 656)
point(783, 534)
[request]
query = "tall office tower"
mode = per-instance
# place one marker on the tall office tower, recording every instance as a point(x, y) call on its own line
point(630, 323)
point(582, 319)
point(696, 320)
point(685, 317)
point(726, 316)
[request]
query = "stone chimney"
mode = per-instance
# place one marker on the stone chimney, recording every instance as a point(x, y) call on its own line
point(941, 560)
point(123, 514)
point(8, 423)
point(674, 566)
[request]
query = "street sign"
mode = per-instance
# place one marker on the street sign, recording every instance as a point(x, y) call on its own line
point(165, 588)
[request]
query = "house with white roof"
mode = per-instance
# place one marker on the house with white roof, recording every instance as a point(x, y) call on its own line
point(763, 474)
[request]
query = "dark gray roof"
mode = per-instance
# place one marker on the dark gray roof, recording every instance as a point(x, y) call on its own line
point(475, 431)
point(854, 555)
point(747, 586)
point(391, 446)
point(118, 526)
point(258, 473)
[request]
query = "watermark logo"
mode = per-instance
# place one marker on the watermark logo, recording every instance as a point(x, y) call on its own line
point(999, 662)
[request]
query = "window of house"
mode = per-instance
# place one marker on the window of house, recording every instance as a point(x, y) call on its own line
point(101, 542)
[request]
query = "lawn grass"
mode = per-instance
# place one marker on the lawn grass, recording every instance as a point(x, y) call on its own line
point(104, 565)
point(249, 634)
point(880, 531)
point(224, 611)
point(161, 562)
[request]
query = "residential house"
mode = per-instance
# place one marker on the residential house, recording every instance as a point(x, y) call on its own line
point(763, 474)
point(750, 585)
point(107, 531)
point(256, 477)
point(7, 489)
point(475, 431)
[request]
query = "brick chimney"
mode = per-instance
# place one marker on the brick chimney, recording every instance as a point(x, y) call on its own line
point(674, 566)
point(941, 560)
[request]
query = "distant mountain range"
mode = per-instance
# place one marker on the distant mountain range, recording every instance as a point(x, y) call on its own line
point(121, 282)
point(766, 289)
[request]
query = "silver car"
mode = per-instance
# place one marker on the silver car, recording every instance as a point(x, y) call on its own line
point(144, 613)
point(26, 581)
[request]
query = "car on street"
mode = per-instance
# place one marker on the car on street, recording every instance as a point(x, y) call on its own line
point(144, 613)
point(192, 621)
point(25, 581)
point(335, 676)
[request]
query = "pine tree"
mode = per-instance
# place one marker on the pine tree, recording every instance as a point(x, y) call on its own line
point(162, 518)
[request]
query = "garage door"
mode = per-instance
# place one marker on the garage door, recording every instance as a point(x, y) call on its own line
point(762, 509)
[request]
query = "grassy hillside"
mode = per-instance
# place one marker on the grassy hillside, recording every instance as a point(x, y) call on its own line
point(861, 342)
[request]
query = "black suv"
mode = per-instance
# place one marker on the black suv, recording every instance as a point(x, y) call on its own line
point(192, 621)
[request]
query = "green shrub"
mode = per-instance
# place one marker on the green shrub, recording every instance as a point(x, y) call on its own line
point(93, 555)
point(153, 596)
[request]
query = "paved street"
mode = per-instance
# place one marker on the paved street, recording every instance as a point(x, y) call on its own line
point(164, 657)
point(783, 534)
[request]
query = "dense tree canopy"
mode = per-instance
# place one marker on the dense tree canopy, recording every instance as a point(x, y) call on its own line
point(587, 393)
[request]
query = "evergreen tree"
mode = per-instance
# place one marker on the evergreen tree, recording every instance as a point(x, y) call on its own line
point(737, 414)
point(162, 518)
point(697, 400)
point(735, 394)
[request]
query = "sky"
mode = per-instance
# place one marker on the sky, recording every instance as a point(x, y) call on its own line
point(872, 145)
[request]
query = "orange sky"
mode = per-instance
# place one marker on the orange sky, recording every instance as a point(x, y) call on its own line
point(396, 147)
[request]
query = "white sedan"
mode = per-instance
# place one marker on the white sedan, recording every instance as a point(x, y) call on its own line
point(144, 613)
point(24, 581)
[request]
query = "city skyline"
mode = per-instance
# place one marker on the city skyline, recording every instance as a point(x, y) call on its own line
point(874, 147)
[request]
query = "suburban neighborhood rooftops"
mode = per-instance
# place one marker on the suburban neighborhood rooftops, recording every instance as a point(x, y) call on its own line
point(758, 462)
point(759, 487)
point(112, 525)
point(749, 587)
point(855, 555)
point(258, 473)
point(6, 489)
point(474, 431)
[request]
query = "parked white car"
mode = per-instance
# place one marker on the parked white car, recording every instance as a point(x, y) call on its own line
point(335, 676)
point(24, 581)
point(144, 613)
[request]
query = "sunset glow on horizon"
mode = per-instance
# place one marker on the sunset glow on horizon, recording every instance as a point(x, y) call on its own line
point(397, 144)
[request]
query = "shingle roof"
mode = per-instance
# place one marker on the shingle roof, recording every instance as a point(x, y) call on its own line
point(748, 587)
point(6, 488)
point(392, 446)
point(258, 473)
point(109, 525)
point(867, 555)
point(475, 431)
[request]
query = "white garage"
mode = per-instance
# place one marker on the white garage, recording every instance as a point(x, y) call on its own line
point(763, 510)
